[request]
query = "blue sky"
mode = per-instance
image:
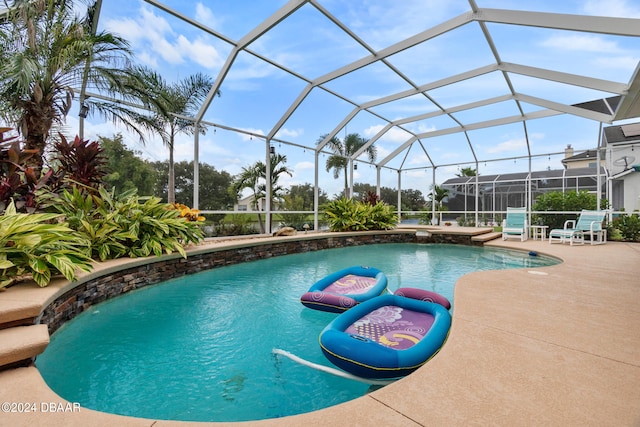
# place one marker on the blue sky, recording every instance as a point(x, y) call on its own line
point(255, 94)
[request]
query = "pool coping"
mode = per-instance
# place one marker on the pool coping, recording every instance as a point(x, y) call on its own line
point(543, 355)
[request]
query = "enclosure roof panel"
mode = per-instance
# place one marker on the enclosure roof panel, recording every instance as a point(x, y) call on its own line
point(460, 74)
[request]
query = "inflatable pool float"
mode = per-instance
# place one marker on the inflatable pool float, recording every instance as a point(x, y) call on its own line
point(344, 289)
point(424, 295)
point(388, 336)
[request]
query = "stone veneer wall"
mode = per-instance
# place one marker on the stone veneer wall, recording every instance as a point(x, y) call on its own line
point(96, 290)
point(455, 239)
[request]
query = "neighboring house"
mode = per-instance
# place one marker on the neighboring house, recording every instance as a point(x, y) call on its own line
point(584, 159)
point(497, 192)
point(619, 177)
point(247, 205)
point(623, 165)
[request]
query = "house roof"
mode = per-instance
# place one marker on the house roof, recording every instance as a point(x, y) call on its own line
point(623, 134)
point(521, 176)
point(585, 155)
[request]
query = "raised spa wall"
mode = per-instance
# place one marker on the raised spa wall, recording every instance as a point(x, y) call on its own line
point(98, 289)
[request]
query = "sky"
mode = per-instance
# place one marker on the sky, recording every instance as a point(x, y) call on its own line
point(256, 95)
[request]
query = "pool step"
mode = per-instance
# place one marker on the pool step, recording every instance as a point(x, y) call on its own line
point(20, 344)
point(482, 238)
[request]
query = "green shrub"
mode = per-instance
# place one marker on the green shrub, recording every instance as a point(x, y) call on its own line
point(236, 225)
point(627, 227)
point(349, 215)
point(558, 201)
point(37, 245)
point(425, 217)
point(126, 224)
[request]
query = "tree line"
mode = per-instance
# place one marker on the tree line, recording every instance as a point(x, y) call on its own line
point(219, 190)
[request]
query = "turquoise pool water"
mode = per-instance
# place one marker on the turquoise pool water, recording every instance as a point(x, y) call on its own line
point(199, 348)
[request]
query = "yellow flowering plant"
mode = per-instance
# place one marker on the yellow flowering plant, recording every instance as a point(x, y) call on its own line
point(188, 213)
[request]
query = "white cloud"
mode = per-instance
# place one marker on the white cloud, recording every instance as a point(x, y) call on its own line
point(420, 159)
point(617, 8)
point(619, 62)
point(374, 19)
point(154, 39)
point(423, 128)
point(509, 145)
point(246, 137)
point(144, 26)
point(585, 43)
point(418, 173)
point(206, 16)
point(450, 155)
point(304, 166)
point(148, 59)
point(200, 52)
point(289, 133)
point(382, 152)
point(249, 67)
point(394, 134)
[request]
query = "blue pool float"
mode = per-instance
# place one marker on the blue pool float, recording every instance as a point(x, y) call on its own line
point(343, 289)
point(388, 336)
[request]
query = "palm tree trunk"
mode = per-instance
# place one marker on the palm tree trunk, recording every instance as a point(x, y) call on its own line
point(171, 189)
point(346, 184)
point(37, 143)
point(262, 228)
point(37, 131)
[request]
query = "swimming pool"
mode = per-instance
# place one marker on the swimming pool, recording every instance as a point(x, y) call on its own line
point(200, 347)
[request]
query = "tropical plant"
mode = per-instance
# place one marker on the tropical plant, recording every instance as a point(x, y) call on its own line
point(627, 226)
point(437, 196)
point(47, 51)
point(18, 181)
point(381, 216)
point(188, 213)
point(343, 150)
point(254, 179)
point(296, 220)
point(170, 107)
point(125, 224)
point(467, 171)
point(346, 214)
point(37, 245)
point(80, 162)
point(410, 199)
point(235, 225)
point(558, 201)
point(371, 197)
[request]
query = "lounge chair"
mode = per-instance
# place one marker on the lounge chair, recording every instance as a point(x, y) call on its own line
point(515, 225)
point(588, 223)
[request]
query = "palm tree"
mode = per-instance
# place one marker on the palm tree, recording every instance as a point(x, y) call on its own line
point(467, 171)
point(249, 178)
point(254, 178)
point(343, 150)
point(46, 51)
point(169, 105)
point(438, 195)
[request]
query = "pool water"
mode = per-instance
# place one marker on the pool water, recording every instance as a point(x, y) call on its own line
point(200, 348)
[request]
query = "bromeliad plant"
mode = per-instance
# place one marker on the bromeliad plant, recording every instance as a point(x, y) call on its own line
point(125, 224)
point(349, 215)
point(37, 245)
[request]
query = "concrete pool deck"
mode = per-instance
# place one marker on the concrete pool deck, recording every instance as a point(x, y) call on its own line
point(553, 346)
